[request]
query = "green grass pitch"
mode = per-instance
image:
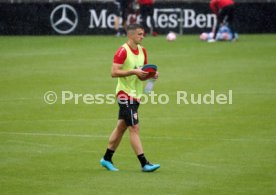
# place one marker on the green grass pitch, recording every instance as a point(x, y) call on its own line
point(202, 149)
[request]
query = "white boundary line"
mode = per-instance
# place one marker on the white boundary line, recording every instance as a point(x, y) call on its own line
point(54, 134)
point(143, 137)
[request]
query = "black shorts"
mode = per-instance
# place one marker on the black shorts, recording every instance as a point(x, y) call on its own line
point(121, 9)
point(226, 14)
point(117, 8)
point(129, 112)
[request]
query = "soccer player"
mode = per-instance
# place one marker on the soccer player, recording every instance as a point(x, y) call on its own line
point(224, 10)
point(127, 64)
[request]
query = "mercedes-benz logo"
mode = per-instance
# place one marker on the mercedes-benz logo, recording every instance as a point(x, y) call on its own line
point(64, 19)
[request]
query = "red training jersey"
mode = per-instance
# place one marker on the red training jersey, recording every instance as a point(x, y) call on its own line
point(121, 55)
point(217, 5)
point(145, 2)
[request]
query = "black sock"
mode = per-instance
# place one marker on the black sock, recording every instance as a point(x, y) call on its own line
point(142, 159)
point(108, 155)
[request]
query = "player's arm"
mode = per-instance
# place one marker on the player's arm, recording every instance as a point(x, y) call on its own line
point(118, 61)
point(116, 71)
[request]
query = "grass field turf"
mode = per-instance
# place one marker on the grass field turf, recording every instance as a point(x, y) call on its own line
point(202, 149)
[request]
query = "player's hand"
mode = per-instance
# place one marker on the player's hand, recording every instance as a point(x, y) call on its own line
point(156, 75)
point(140, 73)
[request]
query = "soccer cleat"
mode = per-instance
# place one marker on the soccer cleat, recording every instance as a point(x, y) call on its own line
point(150, 167)
point(108, 165)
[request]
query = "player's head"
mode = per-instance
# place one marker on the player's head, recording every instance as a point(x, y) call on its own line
point(135, 32)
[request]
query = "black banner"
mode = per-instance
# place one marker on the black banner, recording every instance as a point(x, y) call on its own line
point(98, 18)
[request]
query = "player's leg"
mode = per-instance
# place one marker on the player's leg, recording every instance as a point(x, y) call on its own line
point(220, 18)
point(115, 138)
point(153, 29)
point(230, 20)
point(138, 149)
point(125, 13)
point(113, 143)
point(135, 139)
point(117, 17)
point(116, 135)
point(144, 14)
point(134, 134)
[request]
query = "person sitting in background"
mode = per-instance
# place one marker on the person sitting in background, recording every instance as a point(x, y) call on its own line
point(223, 34)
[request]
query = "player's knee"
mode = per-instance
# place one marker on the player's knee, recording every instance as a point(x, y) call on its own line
point(134, 128)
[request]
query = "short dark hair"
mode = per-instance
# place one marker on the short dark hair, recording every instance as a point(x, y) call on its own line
point(134, 27)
